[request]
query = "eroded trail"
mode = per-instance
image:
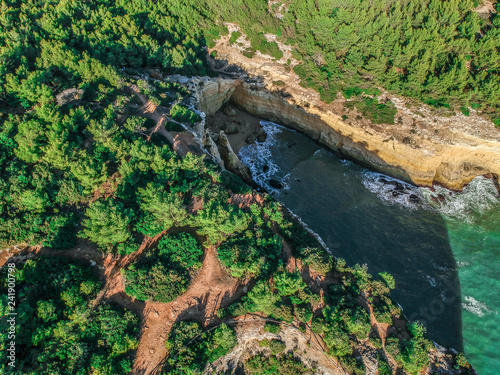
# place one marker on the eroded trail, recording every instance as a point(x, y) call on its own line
point(182, 142)
point(212, 288)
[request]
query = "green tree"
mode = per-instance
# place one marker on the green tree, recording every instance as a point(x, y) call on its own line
point(107, 223)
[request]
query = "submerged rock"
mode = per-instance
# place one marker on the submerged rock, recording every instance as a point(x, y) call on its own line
point(261, 137)
point(229, 111)
point(251, 139)
point(231, 128)
point(275, 184)
point(414, 198)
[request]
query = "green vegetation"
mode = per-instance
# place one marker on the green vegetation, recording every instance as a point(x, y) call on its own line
point(184, 114)
point(164, 273)
point(234, 37)
point(277, 346)
point(272, 327)
point(285, 364)
point(378, 113)
point(76, 161)
point(190, 349)
point(59, 329)
point(250, 254)
point(412, 355)
point(434, 51)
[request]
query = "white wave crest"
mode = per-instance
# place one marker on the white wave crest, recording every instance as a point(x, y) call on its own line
point(479, 196)
point(393, 190)
point(258, 158)
point(474, 306)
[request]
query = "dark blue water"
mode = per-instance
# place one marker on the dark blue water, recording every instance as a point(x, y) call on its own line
point(368, 218)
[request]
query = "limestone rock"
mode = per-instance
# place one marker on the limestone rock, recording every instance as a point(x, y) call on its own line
point(230, 111)
point(211, 147)
point(69, 96)
point(232, 161)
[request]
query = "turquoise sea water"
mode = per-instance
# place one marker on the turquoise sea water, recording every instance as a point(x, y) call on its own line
point(442, 251)
point(476, 247)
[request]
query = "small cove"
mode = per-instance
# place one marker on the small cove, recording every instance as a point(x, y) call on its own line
point(372, 219)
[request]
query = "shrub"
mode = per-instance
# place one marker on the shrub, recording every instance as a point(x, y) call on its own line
point(383, 367)
point(182, 249)
point(377, 112)
point(353, 365)
point(183, 114)
point(219, 342)
point(317, 258)
point(164, 273)
point(337, 341)
point(191, 348)
point(319, 326)
point(107, 224)
point(249, 53)
point(259, 43)
point(250, 254)
point(277, 346)
point(235, 35)
point(388, 279)
point(60, 328)
point(283, 312)
point(238, 308)
point(357, 322)
point(303, 313)
point(376, 342)
point(462, 361)
point(289, 283)
point(382, 314)
point(264, 343)
point(272, 327)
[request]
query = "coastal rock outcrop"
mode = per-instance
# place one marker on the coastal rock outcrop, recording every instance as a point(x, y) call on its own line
point(422, 147)
point(231, 161)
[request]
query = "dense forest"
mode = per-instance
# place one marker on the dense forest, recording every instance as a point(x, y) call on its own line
point(442, 53)
point(60, 328)
point(78, 163)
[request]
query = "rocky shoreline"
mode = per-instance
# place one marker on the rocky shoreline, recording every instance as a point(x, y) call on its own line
point(425, 146)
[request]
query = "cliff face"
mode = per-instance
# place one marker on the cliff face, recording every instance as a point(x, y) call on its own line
point(422, 147)
point(422, 162)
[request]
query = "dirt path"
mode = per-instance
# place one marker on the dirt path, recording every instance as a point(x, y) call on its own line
point(182, 142)
point(212, 288)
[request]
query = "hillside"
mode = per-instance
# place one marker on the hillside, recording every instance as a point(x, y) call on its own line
point(135, 251)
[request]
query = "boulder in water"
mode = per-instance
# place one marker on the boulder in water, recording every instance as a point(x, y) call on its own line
point(231, 128)
point(399, 186)
point(275, 184)
point(251, 139)
point(414, 198)
point(230, 111)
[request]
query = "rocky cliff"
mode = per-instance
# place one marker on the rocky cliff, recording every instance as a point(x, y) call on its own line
point(423, 147)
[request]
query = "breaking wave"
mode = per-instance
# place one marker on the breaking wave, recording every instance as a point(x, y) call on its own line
point(259, 159)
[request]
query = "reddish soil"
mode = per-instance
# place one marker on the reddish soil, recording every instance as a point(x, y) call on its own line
point(246, 200)
point(212, 288)
point(182, 142)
